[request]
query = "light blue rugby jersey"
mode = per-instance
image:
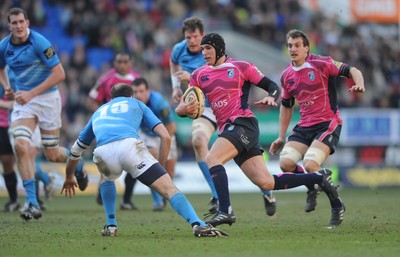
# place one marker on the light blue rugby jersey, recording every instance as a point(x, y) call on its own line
point(31, 61)
point(118, 119)
point(161, 108)
point(187, 60)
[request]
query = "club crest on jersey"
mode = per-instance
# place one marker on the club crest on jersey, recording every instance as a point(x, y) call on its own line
point(49, 52)
point(311, 75)
point(231, 73)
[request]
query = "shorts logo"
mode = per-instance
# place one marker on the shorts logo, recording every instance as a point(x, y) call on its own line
point(49, 52)
point(231, 73)
point(231, 127)
point(244, 139)
point(311, 75)
point(141, 165)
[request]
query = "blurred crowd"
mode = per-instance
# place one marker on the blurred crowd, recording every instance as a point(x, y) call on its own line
point(149, 28)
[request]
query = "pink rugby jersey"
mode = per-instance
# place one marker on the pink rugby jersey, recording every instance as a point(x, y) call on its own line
point(102, 93)
point(311, 86)
point(4, 118)
point(227, 88)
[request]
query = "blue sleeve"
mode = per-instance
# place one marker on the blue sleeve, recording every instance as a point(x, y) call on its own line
point(150, 120)
point(45, 51)
point(2, 49)
point(87, 134)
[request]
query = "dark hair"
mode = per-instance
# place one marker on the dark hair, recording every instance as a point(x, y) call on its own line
point(123, 53)
point(191, 24)
point(294, 33)
point(121, 89)
point(140, 81)
point(16, 11)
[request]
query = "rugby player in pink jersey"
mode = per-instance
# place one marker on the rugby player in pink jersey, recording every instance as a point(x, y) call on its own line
point(309, 80)
point(121, 73)
point(226, 84)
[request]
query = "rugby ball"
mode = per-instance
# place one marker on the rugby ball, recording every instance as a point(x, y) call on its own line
point(195, 93)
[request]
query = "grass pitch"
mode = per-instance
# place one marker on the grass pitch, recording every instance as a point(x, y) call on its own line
point(72, 227)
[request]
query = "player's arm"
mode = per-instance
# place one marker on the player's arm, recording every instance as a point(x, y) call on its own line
point(358, 79)
point(176, 85)
point(8, 92)
point(273, 92)
point(285, 116)
point(6, 105)
point(56, 76)
point(161, 131)
point(81, 144)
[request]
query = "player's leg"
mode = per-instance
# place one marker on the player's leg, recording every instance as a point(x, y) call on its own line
point(48, 111)
point(221, 152)
point(157, 178)
point(202, 130)
point(22, 130)
point(110, 169)
point(10, 177)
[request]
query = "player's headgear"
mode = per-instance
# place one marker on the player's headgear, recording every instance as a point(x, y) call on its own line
point(216, 41)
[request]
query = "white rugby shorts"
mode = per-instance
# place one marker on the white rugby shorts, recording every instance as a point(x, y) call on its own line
point(46, 108)
point(129, 154)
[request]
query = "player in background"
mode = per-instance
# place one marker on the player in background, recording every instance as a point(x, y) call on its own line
point(309, 80)
point(185, 58)
point(7, 155)
point(163, 111)
point(122, 72)
point(38, 70)
point(115, 127)
point(229, 81)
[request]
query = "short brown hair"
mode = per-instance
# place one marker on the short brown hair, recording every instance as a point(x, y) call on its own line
point(294, 33)
point(193, 23)
point(121, 89)
point(16, 11)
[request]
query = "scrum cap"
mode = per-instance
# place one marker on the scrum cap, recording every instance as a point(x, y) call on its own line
point(216, 41)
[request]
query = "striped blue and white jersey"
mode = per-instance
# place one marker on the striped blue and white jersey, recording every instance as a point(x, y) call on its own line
point(31, 62)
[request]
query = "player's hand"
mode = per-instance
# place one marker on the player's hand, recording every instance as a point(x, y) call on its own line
point(276, 146)
point(9, 93)
point(177, 94)
point(23, 97)
point(69, 187)
point(357, 89)
point(269, 100)
point(184, 109)
point(183, 76)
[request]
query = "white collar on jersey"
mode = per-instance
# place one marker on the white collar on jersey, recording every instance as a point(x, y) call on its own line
point(303, 66)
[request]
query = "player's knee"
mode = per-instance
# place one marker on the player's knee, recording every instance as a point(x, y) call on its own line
point(311, 165)
point(288, 159)
point(22, 133)
point(198, 141)
point(313, 159)
point(50, 141)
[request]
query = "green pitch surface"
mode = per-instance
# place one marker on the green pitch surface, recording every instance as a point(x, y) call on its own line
point(72, 227)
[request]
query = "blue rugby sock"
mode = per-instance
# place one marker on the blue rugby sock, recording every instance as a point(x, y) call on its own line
point(109, 196)
point(206, 173)
point(182, 206)
point(266, 192)
point(157, 198)
point(41, 175)
point(30, 190)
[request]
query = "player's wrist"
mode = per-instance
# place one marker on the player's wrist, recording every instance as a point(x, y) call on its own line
point(175, 82)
